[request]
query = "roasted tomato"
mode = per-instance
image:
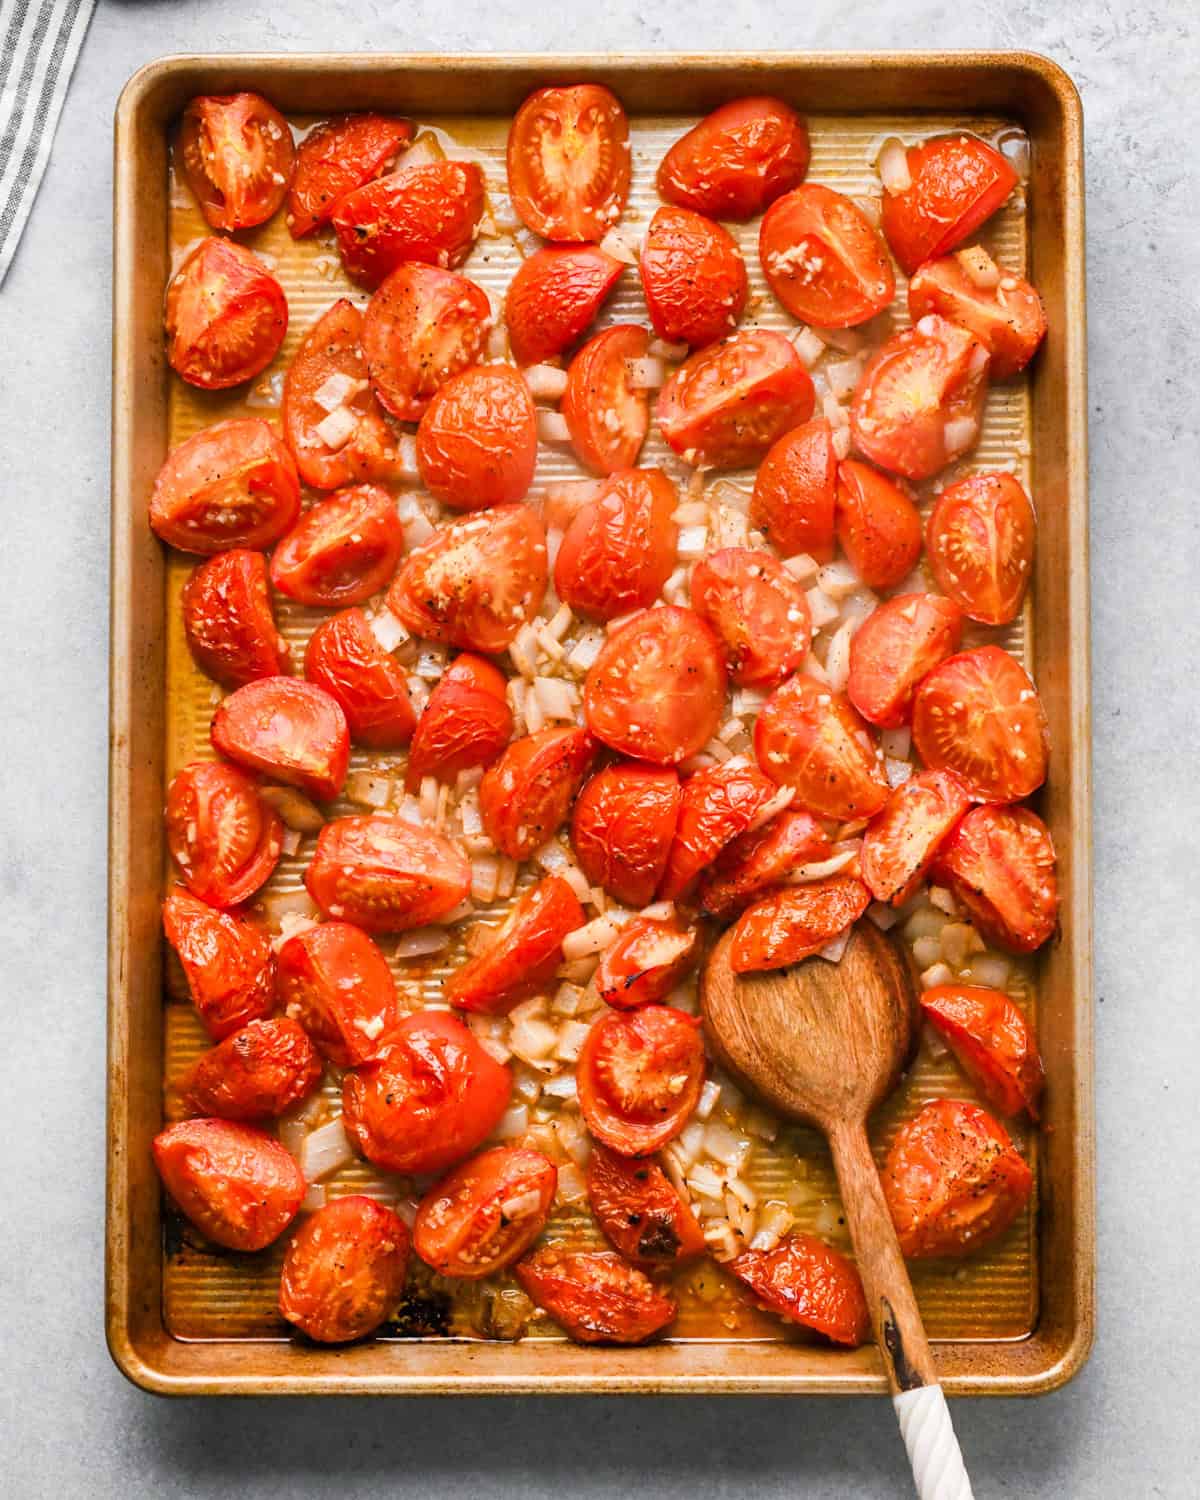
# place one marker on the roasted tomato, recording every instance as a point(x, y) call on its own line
point(254, 1074)
point(647, 961)
point(639, 1076)
point(796, 922)
point(810, 738)
point(955, 183)
point(429, 213)
point(805, 1281)
point(980, 542)
point(999, 862)
point(606, 415)
point(639, 1211)
point(953, 1180)
point(344, 1270)
point(385, 875)
point(877, 524)
point(622, 829)
point(345, 659)
point(554, 296)
point(902, 841)
point(597, 1297)
point(657, 690)
point(759, 611)
point(237, 156)
point(525, 797)
point(234, 1182)
point(761, 860)
point(429, 1097)
point(336, 157)
point(341, 551)
point(896, 646)
point(979, 715)
point(693, 276)
point(475, 582)
point(522, 954)
point(569, 162)
point(467, 722)
point(795, 492)
point(335, 981)
point(223, 837)
point(230, 485)
point(422, 326)
point(823, 260)
point(288, 730)
point(229, 622)
point(477, 442)
point(717, 805)
point(919, 403)
point(999, 307)
point(724, 407)
point(992, 1041)
point(620, 549)
point(225, 316)
point(486, 1213)
point(737, 160)
point(227, 960)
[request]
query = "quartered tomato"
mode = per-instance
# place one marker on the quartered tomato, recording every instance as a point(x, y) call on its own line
point(693, 276)
point(522, 954)
point(919, 403)
point(475, 582)
point(999, 862)
point(288, 730)
point(336, 983)
point(896, 646)
point(344, 1270)
point(341, 551)
point(877, 524)
point(606, 416)
point(639, 1211)
point(657, 689)
point(225, 316)
point(795, 492)
point(805, 1281)
point(234, 1182)
point(761, 860)
point(902, 841)
point(639, 1076)
point(345, 659)
point(726, 405)
point(737, 160)
point(647, 961)
point(422, 326)
point(467, 722)
point(486, 1213)
point(477, 442)
point(255, 1073)
point(717, 805)
point(622, 828)
point(980, 542)
point(429, 213)
point(979, 715)
point(384, 874)
point(953, 1180)
point(992, 1041)
point(223, 837)
point(336, 157)
point(227, 960)
point(594, 1295)
point(555, 296)
point(237, 156)
point(796, 922)
point(956, 182)
point(524, 798)
point(230, 485)
point(999, 307)
point(429, 1097)
point(569, 162)
point(229, 622)
point(759, 611)
point(823, 259)
point(620, 549)
point(810, 738)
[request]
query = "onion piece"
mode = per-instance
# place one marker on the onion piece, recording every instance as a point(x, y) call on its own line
point(595, 936)
point(661, 349)
point(422, 941)
point(621, 243)
point(294, 808)
point(841, 441)
point(958, 434)
point(802, 567)
point(990, 970)
point(896, 743)
point(325, 1150)
point(424, 150)
point(832, 951)
point(692, 543)
point(843, 375)
point(808, 345)
point(406, 459)
point(387, 630)
point(938, 973)
point(979, 266)
point(552, 427)
point(707, 1102)
point(819, 869)
point(822, 609)
point(838, 580)
point(848, 340)
point(368, 789)
point(647, 373)
point(884, 916)
point(513, 1122)
point(545, 382)
point(837, 658)
point(892, 166)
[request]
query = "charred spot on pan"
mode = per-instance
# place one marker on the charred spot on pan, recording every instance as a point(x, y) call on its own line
point(423, 1313)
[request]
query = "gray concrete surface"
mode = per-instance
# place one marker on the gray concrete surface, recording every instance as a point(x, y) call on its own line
point(69, 1425)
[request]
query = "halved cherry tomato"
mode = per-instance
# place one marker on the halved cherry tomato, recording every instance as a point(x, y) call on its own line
point(657, 689)
point(726, 405)
point(992, 1041)
point(620, 549)
point(980, 542)
point(1000, 864)
point(341, 551)
point(477, 442)
point(344, 1270)
point(796, 922)
point(607, 418)
point(639, 1211)
point(646, 962)
point(336, 982)
point(759, 611)
point(429, 1097)
point(795, 492)
point(877, 524)
point(979, 715)
point(237, 156)
point(254, 1074)
point(569, 162)
point(422, 326)
point(467, 722)
point(639, 1076)
point(737, 160)
point(810, 738)
point(919, 402)
point(228, 620)
point(225, 316)
point(896, 646)
point(345, 659)
point(554, 296)
point(475, 582)
point(223, 837)
point(524, 798)
point(230, 485)
point(693, 276)
point(957, 181)
point(760, 860)
point(227, 960)
point(953, 1180)
point(822, 258)
point(805, 1281)
point(486, 1213)
point(597, 1297)
point(385, 875)
point(234, 1182)
point(1006, 313)
point(429, 213)
point(718, 804)
point(287, 729)
point(622, 829)
point(522, 954)
point(337, 156)
point(902, 841)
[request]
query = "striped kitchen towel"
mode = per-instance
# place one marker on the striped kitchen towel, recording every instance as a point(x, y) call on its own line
point(39, 42)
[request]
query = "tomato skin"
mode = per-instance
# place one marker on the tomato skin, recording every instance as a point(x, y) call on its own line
point(619, 551)
point(628, 1077)
point(569, 162)
point(896, 646)
point(796, 922)
point(334, 158)
point(336, 983)
point(525, 796)
point(992, 1041)
point(647, 961)
point(467, 722)
point(902, 841)
point(421, 326)
point(957, 182)
point(738, 160)
point(227, 960)
point(225, 316)
point(759, 611)
point(760, 860)
point(234, 1182)
point(237, 156)
point(1008, 317)
point(877, 524)
point(368, 684)
point(254, 1074)
point(595, 1296)
point(693, 276)
point(639, 1211)
point(1000, 864)
point(717, 804)
point(287, 729)
point(598, 383)
point(805, 1281)
point(344, 1270)
point(823, 260)
point(461, 1228)
point(341, 551)
point(554, 296)
point(384, 875)
point(429, 1097)
point(523, 953)
point(429, 213)
point(477, 442)
point(795, 492)
point(812, 739)
point(622, 829)
point(224, 839)
point(229, 622)
point(230, 485)
point(980, 542)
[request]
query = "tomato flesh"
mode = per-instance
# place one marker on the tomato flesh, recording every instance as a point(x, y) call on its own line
point(622, 829)
point(639, 1211)
point(254, 1074)
point(607, 418)
point(237, 156)
point(429, 213)
point(344, 1270)
point(287, 729)
point(523, 954)
point(225, 316)
point(807, 1282)
point(619, 551)
point(230, 485)
point(877, 524)
point(227, 962)
point(991, 1040)
point(979, 538)
point(639, 1076)
point(693, 276)
point(336, 983)
point(467, 722)
point(569, 162)
point(759, 611)
point(647, 961)
point(738, 160)
point(761, 860)
point(956, 182)
point(795, 492)
point(1008, 317)
point(554, 297)
point(486, 1213)
point(384, 874)
point(796, 922)
point(597, 1297)
point(477, 442)
point(525, 796)
point(717, 804)
point(368, 684)
point(234, 1182)
point(902, 841)
point(811, 739)
point(894, 649)
point(341, 551)
point(1000, 864)
point(422, 326)
point(229, 622)
point(337, 156)
point(223, 837)
point(823, 260)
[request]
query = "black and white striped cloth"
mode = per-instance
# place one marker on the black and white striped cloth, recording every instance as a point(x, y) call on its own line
point(39, 42)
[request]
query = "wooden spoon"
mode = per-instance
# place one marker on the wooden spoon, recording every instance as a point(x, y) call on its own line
point(825, 1043)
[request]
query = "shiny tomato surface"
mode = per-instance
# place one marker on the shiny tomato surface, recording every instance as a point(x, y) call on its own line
point(422, 326)
point(569, 162)
point(384, 874)
point(795, 492)
point(823, 259)
point(554, 297)
point(796, 922)
point(810, 738)
point(757, 609)
point(622, 829)
point(606, 416)
point(237, 158)
point(738, 160)
point(477, 442)
point(805, 1281)
point(956, 182)
point(227, 960)
point(717, 805)
point(486, 1213)
point(368, 684)
point(234, 1182)
point(902, 841)
point(1000, 863)
point(224, 839)
point(466, 723)
point(230, 485)
point(288, 730)
point(334, 980)
point(878, 526)
point(254, 1074)
point(760, 861)
point(595, 1296)
point(639, 1076)
point(337, 156)
point(1008, 316)
point(647, 961)
point(429, 213)
point(979, 538)
point(344, 1270)
point(341, 551)
point(229, 621)
point(992, 1041)
point(522, 953)
point(894, 649)
point(225, 316)
point(693, 277)
point(525, 796)
point(639, 1211)
point(619, 551)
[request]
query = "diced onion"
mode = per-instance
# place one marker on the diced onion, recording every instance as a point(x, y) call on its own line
point(406, 460)
point(892, 165)
point(842, 375)
point(896, 743)
point(821, 608)
point(819, 869)
point(725, 1145)
point(834, 412)
point(313, 1199)
point(552, 427)
point(896, 771)
point(838, 580)
point(423, 151)
point(522, 1205)
point(485, 876)
point(707, 1102)
point(691, 513)
point(802, 567)
point(771, 808)
point(989, 970)
point(562, 1086)
point(958, 940)
point(290, 842)
point(848, 340)
point(423, 941)
point(336, 389)
point(884, 916)
point(702, 1179)
point(557, 699)
point(532, 1040)
point(325, 1150)
point(431, 662)
point(692, 543)
point(841, 442)
point(387, 630)
point(571, 1037)
point(546, 382)
point(661, 349)
point(808, 345)
point(586, 649)
point(336, 430)
point(939, 973)
point(513, 1122)
point(572, 1185)
point(294, 808)
point(646, 374)
point(368, 789)
point(594, 936)
point(958, 434)
point(837, 658)
point(832, 952)
point(621, 243)
point(979, 266)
